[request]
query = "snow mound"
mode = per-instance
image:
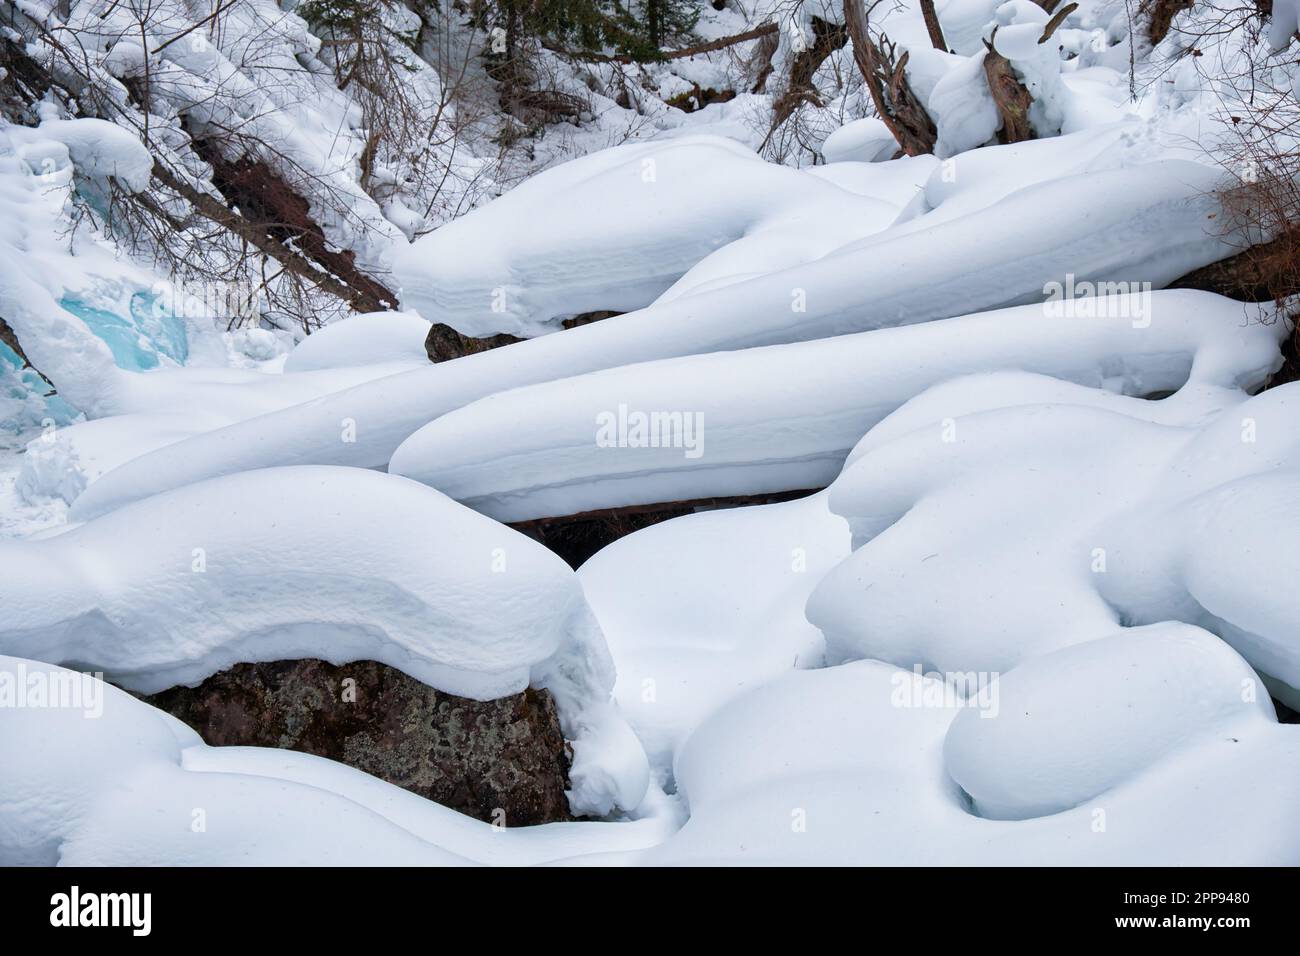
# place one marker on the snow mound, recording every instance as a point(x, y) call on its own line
point(845, 766)
point(611, 230)
point(1062, 729)
point(375, 338)
point(1105, 511)
point(96, 147)
point(333, 563)
point(863, 141)
point(784, 417)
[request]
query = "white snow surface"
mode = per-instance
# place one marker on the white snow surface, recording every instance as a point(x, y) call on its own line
point(830, 766)
point(374, 338)
point(865, 140)
point(782, 417)
point(645, 213)
point(1035, 615)
point(1135, 535)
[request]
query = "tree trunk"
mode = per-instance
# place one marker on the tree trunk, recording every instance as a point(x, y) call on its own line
point(829, 37)
point(1009, 95)
point(894, 100)
point(931, 17)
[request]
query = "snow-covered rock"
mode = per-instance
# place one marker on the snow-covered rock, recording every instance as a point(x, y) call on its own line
point(332, 563)
point(862, 141)
point(95, 777)
point(845, 766)
point(1062, 729)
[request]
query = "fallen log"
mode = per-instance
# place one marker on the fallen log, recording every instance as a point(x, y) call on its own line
point(708, 47)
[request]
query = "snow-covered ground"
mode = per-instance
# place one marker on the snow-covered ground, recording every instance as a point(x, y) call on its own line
point(1033, 607)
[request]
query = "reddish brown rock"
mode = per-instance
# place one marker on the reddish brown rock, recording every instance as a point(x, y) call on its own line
point(483, 758)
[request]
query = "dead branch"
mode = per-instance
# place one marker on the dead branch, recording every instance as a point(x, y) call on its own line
point(718, 44)
point(220, 8)
point(1056, 21)
point(8, 337)
point(210, 208)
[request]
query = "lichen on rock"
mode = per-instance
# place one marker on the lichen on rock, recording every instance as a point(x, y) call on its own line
point(503, 761)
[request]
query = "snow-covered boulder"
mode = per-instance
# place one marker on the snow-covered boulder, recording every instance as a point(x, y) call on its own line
point(330, 563)
point(97, 149)
point(95, 777)
point(862, 141)
point(846, 766)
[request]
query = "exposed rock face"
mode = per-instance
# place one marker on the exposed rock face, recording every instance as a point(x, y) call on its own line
point(575, 538)
point(586, 318)
point(444, 343)
point(477, 757)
